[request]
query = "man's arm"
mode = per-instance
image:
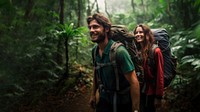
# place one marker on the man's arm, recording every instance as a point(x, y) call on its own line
point(134, 89)
point(93, 99)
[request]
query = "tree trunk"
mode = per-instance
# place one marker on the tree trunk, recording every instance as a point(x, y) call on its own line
point(67, 58)
point(106, 10)
point(60, 43)
point(187, 13)
point(97, 5)
point(133, 5)
point(79, 23)
point(143, 7)
point(61, 12)
point(89, 8)
point(28, 9)
point(79, 12)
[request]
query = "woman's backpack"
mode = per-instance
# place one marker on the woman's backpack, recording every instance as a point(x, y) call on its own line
point(170, 61)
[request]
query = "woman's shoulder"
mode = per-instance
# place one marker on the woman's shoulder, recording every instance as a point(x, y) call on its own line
point(157, 49)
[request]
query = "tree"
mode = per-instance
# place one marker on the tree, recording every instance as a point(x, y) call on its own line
point(28, 9)
point(107, 10)
point(97, 6)
point(59, 57)
point(67, 31)
point(133, 5)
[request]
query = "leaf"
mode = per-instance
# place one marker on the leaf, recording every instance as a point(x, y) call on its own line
point(187, 59)
point(197, 32)
point(196, 63)
point(190, 46)
point(18, 87)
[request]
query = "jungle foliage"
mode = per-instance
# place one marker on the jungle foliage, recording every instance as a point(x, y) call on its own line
point(45, 46)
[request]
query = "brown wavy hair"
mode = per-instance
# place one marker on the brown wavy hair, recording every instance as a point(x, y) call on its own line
point(102, 20)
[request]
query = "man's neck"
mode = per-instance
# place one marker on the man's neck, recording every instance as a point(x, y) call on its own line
point(103, 44)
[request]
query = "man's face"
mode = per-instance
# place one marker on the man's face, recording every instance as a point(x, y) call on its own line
point(97, 32)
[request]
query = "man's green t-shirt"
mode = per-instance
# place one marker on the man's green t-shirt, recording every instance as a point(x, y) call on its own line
point(107, 74)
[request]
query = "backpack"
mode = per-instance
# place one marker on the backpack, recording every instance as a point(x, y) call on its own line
point(120, 33)
point(170, 61)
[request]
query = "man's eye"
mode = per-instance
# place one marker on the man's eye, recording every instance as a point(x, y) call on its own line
point(95, 26)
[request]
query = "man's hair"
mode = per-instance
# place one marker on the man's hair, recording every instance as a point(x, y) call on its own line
point(101, 19)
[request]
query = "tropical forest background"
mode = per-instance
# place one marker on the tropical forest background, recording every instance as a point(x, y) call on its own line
point(45, 47)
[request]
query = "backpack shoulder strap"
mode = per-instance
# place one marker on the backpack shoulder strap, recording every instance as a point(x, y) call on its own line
point(94, 53)
point(96, 77)
point(151, 60)
point(112, 54)
point(113, 50)
point(152, 50)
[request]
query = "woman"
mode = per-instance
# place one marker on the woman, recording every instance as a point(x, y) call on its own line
point(153, 87)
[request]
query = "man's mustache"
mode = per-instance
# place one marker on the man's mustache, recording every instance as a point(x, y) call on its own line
point(92, 33)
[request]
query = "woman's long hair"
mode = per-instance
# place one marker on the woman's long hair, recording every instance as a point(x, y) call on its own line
point(146, 45)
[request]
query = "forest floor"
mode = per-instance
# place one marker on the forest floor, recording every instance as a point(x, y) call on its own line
point(71, 102)
point(78, 102)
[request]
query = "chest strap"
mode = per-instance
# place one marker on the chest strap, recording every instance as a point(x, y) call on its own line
point(100, 65)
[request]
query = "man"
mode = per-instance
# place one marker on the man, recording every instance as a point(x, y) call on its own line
point(112, 98)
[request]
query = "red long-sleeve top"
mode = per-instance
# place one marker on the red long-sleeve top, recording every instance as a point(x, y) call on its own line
point(154, 81)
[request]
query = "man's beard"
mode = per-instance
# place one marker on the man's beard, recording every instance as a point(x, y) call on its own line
point(100, 38)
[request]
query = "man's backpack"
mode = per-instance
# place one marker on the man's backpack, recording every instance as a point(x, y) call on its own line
point(120, 33)
point(162, 41)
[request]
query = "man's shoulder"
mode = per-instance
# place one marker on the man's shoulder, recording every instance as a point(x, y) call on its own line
point(121, 48)
point(117, 45)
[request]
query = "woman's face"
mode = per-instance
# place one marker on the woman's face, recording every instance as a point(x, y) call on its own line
point(139, 34)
